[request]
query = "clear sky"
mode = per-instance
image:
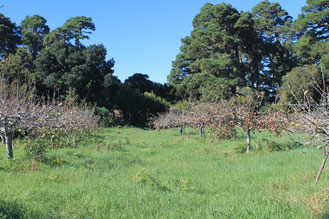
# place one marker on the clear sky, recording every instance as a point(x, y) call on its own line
point(143, 36)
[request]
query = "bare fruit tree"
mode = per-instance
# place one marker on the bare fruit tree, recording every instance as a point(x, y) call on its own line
point(20, 110)
point(223, 117)
point(310, 120)
point(172, 119)
point(244, 111)
point(210, 116)
point(17, 109)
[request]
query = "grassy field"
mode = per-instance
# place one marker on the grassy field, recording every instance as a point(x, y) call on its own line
point(136, 173)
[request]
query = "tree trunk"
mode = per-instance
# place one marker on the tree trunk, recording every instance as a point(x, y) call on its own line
point(322, 167)
point(182, 131)
point(9, 144)
point(201, 130)
point(324, 151)
point(248, 140)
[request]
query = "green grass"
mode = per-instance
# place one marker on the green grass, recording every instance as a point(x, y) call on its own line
point(136, 173)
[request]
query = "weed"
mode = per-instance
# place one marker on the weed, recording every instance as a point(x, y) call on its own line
point(127, 140)
point(143, 177)
point(187, 186)
point(114, 144)
point(36, 149)
point(240, 148)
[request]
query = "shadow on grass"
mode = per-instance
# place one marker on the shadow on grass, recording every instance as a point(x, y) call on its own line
point(117, 159)
point(326, 215)
point(12, 209)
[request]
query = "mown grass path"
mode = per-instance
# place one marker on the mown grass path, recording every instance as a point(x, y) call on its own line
point(136, 173)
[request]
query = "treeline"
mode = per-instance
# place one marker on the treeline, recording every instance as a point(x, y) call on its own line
point(263, 49)
point(227, 51)
point(57, 62)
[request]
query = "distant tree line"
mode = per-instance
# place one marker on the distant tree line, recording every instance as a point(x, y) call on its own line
point(56, 62)
point(227, 50)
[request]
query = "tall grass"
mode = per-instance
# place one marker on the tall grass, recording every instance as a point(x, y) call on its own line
point(136, 173)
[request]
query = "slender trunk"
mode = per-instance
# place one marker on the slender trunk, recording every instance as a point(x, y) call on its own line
point(9, 144)
point(248, 140)
point(201, 130)
point(322, 167)
point(77, 42)
point(182, 131)
point(324, 151)
point(68, 140)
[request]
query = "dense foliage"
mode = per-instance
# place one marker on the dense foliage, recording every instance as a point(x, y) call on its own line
point(234, 49)
point(54, 62)
point(227, 51)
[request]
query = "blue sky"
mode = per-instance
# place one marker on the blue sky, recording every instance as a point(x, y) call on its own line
point(142, 36)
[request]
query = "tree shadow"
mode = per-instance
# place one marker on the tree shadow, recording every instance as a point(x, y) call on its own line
point(12, 209)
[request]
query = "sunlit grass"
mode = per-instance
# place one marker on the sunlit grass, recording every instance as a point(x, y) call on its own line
point(135, 173)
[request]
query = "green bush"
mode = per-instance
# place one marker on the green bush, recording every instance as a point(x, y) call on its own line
point(106, 117)
point(36, 148)
point(136, 107)
point(297, 81)
point(274, 146)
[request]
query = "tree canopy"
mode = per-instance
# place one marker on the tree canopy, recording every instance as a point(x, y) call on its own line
point(75, 29)
point(33, 30)
point(313, 31)
point(9, 36)
point(235, 49)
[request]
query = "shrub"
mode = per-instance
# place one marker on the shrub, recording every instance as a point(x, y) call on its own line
point(106, 118)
